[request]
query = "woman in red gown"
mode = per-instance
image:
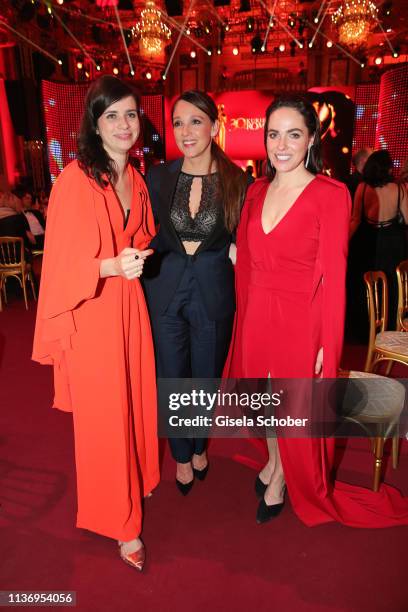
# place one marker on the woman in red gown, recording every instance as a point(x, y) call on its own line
point(92, 321)
point(290, 283)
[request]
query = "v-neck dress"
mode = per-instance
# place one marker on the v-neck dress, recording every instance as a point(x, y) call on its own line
point(96, 333)
point(290, 285)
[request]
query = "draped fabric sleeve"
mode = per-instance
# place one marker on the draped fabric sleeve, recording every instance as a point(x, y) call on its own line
point(70, 270)
point(334, 230)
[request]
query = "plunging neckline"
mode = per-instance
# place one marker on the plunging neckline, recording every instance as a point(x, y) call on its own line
point(126, 213)
point(287, 212)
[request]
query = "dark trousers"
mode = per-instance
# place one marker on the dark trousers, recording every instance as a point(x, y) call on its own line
point(189, 345)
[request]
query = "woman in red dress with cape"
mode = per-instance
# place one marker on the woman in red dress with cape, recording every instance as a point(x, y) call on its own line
point(290, 281)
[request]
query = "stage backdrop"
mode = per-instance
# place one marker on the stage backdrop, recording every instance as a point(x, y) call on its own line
point(365, 116)
point(381, 115)
point(392, 122)
point(62, 106)
point(242, 118)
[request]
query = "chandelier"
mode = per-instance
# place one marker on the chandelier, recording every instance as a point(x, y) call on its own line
point(152, 31)
point(355, 19)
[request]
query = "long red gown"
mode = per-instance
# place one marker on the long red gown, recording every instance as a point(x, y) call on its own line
point(290, 287)
point(96, 334)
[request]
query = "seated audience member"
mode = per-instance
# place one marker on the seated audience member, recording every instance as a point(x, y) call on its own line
point(35, 219)
point(13, 222)
point(42, 200)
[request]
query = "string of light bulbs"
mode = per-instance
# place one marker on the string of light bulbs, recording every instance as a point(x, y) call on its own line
point(30, 42)
point(320, 23)
point(166, 70)
point(132, 72)
point(270, 24)
point(68, 31)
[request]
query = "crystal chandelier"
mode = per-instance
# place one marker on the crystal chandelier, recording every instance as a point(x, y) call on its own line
point(152, 31)
point(355, 19)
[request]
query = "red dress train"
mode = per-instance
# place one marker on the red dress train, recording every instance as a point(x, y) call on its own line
point(290, 287)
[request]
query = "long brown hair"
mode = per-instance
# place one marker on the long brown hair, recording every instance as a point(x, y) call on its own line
point(312, 122)
point(232, 181)
point(92, 157)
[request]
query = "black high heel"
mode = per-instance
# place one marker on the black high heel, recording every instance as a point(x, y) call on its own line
point(265, 513)
point(184, 487)
point(260, 488)
point(201, 474)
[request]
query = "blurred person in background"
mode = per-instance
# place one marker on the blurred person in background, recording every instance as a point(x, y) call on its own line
point(35, 219)
point(13, 222)
point(359, 159)
point(378, 237)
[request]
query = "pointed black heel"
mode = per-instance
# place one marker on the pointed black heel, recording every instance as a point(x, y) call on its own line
point(201, 474)
point(266, 513)
point(260, 488)
point(184, 487)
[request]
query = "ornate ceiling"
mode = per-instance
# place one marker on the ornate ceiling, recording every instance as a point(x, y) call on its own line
point(99, 34)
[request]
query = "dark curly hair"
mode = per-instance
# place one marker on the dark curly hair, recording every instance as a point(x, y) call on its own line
point(377, 170)
point(92, 157)
point(312, 122)
point(232, 181)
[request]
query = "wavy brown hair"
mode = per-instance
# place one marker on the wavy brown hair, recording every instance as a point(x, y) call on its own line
point(312, 122)
point(92, 157)
point(232, 181)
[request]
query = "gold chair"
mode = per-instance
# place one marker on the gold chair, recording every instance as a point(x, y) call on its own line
point(402, 312)
point(375, 403)
point(12, 263)
point(389, 346)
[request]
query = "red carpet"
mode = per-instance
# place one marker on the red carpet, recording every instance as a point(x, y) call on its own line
point(204, 551)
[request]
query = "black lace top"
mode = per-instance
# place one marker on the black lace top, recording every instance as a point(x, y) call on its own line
point(197, 229)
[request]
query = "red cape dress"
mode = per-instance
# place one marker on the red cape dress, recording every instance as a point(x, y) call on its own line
point(96, 334)
point(290, 286)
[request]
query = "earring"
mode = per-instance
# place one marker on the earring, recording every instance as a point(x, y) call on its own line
point(308, 156)
point(97, 132)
